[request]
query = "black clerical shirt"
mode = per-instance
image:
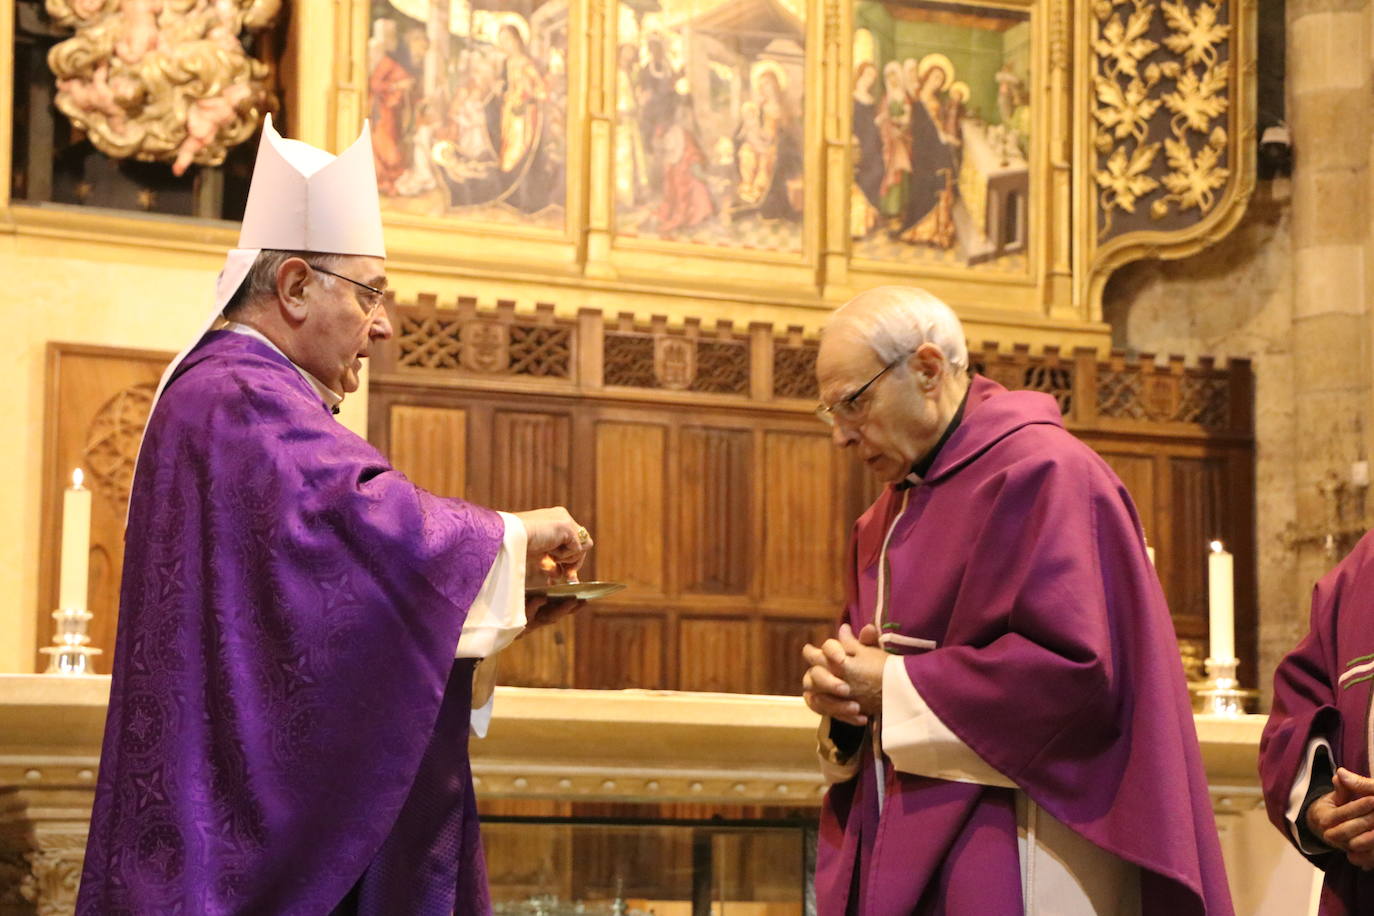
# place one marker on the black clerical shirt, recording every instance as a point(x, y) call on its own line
point(923, 464)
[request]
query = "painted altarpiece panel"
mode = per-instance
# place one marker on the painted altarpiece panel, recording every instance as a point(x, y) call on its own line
point(710, 111)
point(469, 107)
point(942, 133)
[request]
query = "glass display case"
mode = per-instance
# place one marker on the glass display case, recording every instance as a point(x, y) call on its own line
point(638, 867)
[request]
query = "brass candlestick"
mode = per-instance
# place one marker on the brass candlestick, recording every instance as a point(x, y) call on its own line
point(71, 651)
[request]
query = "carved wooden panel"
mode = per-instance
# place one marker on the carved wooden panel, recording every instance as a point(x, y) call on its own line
point(711, 654)
point(1137, 472)
point(460, 341)
point(677, 359)
point(1197, 493)
point(730, 504)
point(97, 405)
point(543, 658)
point(716, 509)
point(794, 371)
point(781, 650)
point(621, 649)
point(1126, 394)
point(530, 460)
point(722, 367)
point(426, 340)
point(629, 361)
point(631, 505)
point(429, 445)
point(544, 352)
point(802, 538)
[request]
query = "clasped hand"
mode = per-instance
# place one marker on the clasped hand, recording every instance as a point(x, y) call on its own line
point(1344, 818)
point(845, 677)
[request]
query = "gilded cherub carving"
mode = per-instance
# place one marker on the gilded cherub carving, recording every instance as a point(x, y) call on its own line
point(165, 80)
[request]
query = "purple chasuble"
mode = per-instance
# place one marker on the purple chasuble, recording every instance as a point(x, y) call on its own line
point(1020, 558)
point(287, 730)
point(1322, 689)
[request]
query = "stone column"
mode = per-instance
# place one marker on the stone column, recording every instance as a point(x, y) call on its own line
point(1328, 85)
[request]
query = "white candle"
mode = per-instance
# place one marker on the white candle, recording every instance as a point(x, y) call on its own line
point(76, 544)
point(1221, 604)
point(1150, 552)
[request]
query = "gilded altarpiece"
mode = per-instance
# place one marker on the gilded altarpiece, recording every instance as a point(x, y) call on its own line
point(1007, 155)
point(470, 111)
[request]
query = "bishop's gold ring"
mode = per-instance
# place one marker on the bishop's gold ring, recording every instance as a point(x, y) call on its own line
point(582, 536)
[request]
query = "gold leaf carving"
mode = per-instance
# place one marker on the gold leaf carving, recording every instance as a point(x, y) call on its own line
point(161, 80)
point(1198, 99)
point(1122, 42)
point(1194, 178)
point(1125, 111)
point(1147, 67)
point(1125, 179)
point(1196, 35)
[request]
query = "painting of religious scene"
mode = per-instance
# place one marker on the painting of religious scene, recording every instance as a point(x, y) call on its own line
point(709, 118)
point(468, 101)
point(940, 134)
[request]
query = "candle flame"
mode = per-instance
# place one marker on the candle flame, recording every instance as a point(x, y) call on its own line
point(77, 477)
point(1217, 547)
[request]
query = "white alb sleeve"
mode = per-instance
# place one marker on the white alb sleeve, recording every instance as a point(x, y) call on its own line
point(497, 614)
point(1298, 794)
point(480, 720)
point(917, 742)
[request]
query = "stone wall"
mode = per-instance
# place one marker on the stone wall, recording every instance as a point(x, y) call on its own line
point(1287, 290)
point(1236, 300)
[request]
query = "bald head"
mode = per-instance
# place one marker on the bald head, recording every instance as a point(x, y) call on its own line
point(893, 321)
point(892, 372)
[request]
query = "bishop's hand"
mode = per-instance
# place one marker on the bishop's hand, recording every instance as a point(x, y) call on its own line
point(553, 533)
point(541, 611)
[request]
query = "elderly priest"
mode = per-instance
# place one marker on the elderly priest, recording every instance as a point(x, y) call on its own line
point(299, 623)
point(1007, 727)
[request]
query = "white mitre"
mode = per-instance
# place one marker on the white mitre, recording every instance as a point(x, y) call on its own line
point(301, 199)
point(304, 199)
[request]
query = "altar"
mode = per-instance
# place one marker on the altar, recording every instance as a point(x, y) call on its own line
point(618, 748)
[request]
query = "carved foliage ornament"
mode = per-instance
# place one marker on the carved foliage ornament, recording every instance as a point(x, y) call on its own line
point(1160, 86)
point(164, 80)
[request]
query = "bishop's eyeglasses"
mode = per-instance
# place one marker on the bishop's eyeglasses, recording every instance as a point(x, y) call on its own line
point(369, 302)
point(847, 408)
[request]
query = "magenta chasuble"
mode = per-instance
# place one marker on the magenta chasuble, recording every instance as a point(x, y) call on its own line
point(287, 729)
point(1322, 689)
point(1020, 557)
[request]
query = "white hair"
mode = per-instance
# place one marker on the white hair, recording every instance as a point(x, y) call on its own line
point(895, 321)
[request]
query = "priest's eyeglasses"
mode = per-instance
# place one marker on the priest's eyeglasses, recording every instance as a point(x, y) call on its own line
point(847, 407)
point(369, 302)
